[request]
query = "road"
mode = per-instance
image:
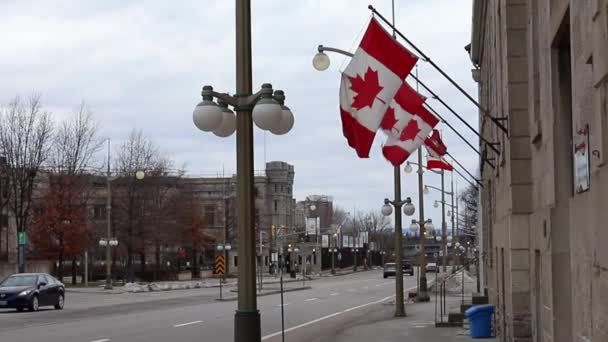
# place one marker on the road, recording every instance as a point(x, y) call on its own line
point(330, 304)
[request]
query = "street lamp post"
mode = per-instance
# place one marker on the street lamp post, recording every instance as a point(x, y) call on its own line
point(313, 208)
point(321, 62)
point(423, 295)
point(408, 210)
point(443, 222)
point(268, 113)
point(334, 250)
point(108, 243)
point(426, 227)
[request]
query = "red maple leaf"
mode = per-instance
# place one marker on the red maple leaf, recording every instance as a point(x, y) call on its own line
point(410, 131)
point(366, 87)
point(389, 120)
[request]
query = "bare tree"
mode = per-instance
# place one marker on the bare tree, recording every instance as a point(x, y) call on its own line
point(339, 216)
point(159, 191)
point(4, 201)
point(25, 135)
point(375, 224)
point(138, 153)
point(75, 143)
point(469, 197)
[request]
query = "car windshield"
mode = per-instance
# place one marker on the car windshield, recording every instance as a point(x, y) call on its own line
point(19, 281)
point(389, 265)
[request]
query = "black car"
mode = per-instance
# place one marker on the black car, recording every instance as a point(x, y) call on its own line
point(408, 269)
point(31, 290)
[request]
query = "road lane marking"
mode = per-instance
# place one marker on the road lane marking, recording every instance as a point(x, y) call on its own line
point(334, 294)
point(102, 340)
point(311, 299)
point(327, 317)
point(185, 324)
point(366, 287)
point(283, 304)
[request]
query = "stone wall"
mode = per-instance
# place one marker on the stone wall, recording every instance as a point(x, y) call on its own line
point(544, 66)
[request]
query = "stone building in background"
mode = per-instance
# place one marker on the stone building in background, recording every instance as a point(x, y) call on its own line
point(542, 71)
point(216, 200)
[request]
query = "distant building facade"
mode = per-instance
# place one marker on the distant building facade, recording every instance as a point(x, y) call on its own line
point(542, 71)
point(274, 205)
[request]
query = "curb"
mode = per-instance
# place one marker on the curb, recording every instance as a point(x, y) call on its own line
point(233, 298)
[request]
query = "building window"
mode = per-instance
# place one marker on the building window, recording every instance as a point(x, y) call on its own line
point(236, 261)
point(210, 214)
point(276, 188)
point(282, 188)
point(266, 261)
point(276, 206)
point(99, 211)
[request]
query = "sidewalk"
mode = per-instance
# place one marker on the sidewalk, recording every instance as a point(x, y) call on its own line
point(380, 325)
point(179, 285)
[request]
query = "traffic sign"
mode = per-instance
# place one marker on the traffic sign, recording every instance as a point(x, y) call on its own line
point(22, 238)
point(220, 265)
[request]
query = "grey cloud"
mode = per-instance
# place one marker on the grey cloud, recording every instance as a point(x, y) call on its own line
point(142, 64)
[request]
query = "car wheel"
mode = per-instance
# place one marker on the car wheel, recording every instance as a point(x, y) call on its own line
point(20, 309)
point(385, 276)
point(34, 304)
point(60, 302)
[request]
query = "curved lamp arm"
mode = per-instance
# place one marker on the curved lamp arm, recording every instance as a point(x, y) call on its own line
point(322, 48)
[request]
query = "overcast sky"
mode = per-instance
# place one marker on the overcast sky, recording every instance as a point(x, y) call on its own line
point(141, 64)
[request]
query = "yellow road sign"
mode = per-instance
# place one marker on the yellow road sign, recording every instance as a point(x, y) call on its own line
point(220, 265)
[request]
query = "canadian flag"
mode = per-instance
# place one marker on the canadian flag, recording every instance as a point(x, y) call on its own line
point(407, 123)
point(436, 149)
point(369, 83)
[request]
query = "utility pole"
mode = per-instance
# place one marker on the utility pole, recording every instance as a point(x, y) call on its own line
point(444, 228)
point(108, 285)
point(423, 296)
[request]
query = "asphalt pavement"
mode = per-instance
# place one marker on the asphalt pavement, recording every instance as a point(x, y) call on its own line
point(196, 315)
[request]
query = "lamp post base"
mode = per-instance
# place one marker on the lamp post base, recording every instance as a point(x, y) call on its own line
point(247, 326)
point(423, 295)
point(108, 285)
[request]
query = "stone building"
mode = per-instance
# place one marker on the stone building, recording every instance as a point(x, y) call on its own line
point(314, 219)
point(542, 70)
point(274, 205)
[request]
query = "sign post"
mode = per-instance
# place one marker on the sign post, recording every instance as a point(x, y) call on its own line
point(21, 241)
point(22, 238)
point(219, 269)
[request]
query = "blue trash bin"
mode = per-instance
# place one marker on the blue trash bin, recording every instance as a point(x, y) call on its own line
point(480, 320)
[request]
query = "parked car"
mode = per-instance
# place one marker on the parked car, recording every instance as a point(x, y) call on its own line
point(31, 290)
point(408, 268)
point(432, 267)
point(389, 269)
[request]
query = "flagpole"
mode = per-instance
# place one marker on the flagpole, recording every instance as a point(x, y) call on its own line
point(428, 59)
point(399, 307)
point(423, 295)
point(435, 96)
